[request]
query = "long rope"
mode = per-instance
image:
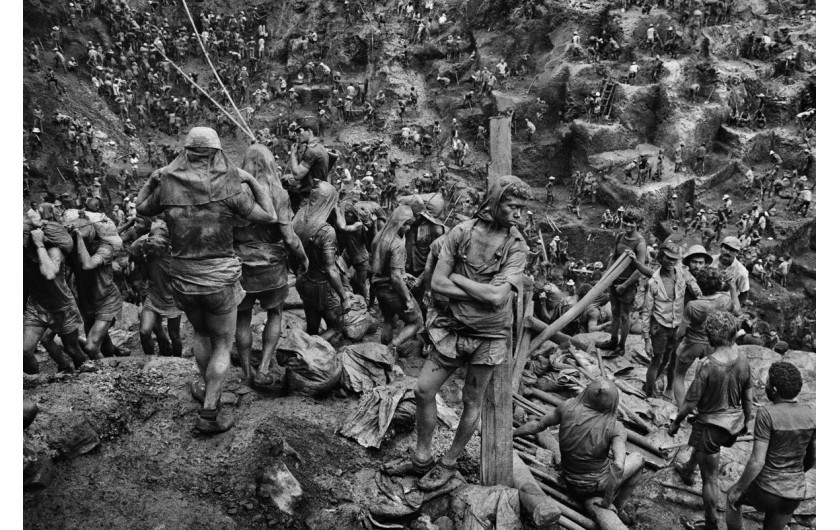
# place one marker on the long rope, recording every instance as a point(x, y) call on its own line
point(196, 85)
point(212, 67)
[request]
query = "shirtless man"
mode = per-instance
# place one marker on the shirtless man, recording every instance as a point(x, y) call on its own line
point(481, 261)
point(623, 290)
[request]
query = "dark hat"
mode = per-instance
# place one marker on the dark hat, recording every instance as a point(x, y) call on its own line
point(670, 249)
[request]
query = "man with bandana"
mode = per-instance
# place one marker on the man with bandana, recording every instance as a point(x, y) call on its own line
point(200, 193)
point(481, 262)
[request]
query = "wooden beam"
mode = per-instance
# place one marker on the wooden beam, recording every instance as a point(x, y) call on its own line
point(496, 430)
point(500, 158)
point(523, 346)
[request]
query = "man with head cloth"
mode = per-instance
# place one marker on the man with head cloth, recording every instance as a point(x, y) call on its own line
point(480, 262)
point(388, 285)
point(589, 429)
point(262, 248)
point(200, 193)
point(321, 288)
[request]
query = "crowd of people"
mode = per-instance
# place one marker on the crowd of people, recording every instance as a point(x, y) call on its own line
point(206, 239)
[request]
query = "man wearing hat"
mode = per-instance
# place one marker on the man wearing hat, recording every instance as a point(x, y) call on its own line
point(732, 269)
point(662, 313)
point(313, 165)
point(697, 259)
point(717, 296)
point(199, 193)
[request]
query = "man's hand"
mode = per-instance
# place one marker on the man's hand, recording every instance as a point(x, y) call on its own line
point(620, 289)
point(733, 496)
point(38, 237)
point(303, 266)
point(673, 428)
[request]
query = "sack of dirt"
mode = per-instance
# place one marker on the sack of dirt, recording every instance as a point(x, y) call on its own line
point(313, 364)
point(357, 321)
point(475, 506)
point(54, 234)
point(365, 366)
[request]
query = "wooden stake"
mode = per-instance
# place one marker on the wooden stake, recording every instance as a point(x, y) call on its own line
point(500, 158)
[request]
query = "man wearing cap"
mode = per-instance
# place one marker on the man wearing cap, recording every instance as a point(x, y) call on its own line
point(199, 193)
point(717, 296)
point(313, 165)
point(671, 213)
point(662, 313)
point(732, 269)
point(623, 289)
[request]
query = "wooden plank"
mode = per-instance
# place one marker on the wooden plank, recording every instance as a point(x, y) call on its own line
point(523, 346)
point(496, 431)
point(500, 157)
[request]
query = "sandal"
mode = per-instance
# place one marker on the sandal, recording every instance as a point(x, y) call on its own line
point(197, 391)
point(262, 380)
point(210, 421)
point(608, 344)
point(407, 465)
point(438, 476)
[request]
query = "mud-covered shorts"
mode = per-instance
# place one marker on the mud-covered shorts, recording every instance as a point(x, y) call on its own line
point(688, 352)
point(764, 501)
point(320, 297)
point(270, 299)
point(61, 322)
point(710, 438)
point(219, 303)
point(164, 312)
point(457, 350)
point(107, 311)
point(392, 305)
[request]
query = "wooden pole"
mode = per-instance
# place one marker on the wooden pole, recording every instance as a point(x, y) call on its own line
point(543, 510)
point(500, 158)
point(542, 244)
point(558, 338)
point(523, 339)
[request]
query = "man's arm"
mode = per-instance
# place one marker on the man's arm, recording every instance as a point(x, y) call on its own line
point(398, 284)
point(295, 246)
point(733, 294)
point(747, 405)
point(692, 284)
point(619, 451)
point(263, 210)
point(88, 262)
point(49, 261)
point(442, 285)
point(811, 453)
point(333, 276)
point(342, 222)
point(644, 315)
point(491, 294)
point(535, 426)
point(299, 170)
point(751, 471)
point(145, 206)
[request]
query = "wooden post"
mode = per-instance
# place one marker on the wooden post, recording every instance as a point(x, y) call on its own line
point(500, 161)
point(497, 411)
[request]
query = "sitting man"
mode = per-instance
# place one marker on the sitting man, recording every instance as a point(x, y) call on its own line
point(480, 262)
point(589, 429)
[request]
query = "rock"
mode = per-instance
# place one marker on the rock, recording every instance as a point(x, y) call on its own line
point(74, 438)
point(278, 483)
point(444, 523)
point(30, 410)
point(423, 523)
point(229, 398)
point(37, 469)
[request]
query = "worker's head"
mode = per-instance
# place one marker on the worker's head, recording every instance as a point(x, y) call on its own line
point(709, 280)
point(201, 142)
point(632, 219)
point(784, 380)
point(720, 328)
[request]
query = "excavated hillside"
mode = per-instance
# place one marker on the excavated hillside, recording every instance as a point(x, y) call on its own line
point(120, 435)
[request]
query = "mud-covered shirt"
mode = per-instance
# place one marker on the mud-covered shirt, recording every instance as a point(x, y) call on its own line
point(394, 259)
point(696, 312)
point(507, 265)
point(95, 287)
point(718, 389)
point(789, 429)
